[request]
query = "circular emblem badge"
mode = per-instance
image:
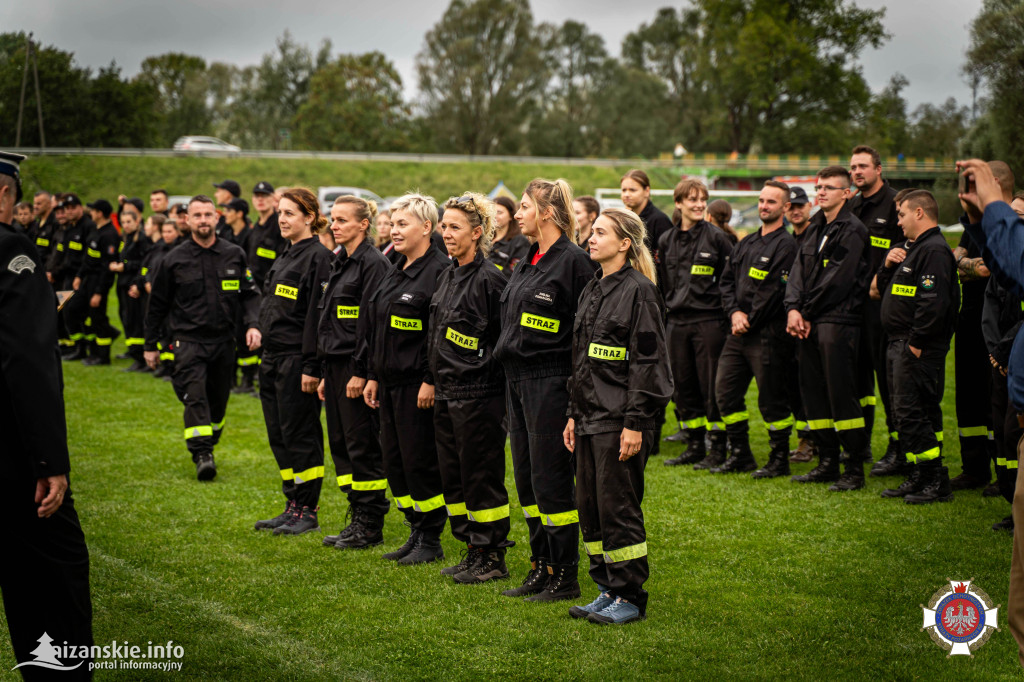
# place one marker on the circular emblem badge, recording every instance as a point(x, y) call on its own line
point(960, 617)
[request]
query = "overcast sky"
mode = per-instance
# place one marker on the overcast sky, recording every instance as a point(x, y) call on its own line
point(928, 43)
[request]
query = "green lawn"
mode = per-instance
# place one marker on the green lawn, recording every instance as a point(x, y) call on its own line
point(750, 580)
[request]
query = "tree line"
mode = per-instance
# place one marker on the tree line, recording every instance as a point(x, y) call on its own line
point(751, 76)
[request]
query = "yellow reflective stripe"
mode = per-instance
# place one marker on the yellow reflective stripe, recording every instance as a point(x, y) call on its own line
point(457, 509)
point(847, 424)
point(103, 341)
point(134, 341)
point(561, 518)
point(594, 548)
point(266, 253)
point(894, 435)
point(144, 271)
point(76, 337)
point(42, 241)
point(348, 312)
point(462, 340)
point(197, 431)
point(702, 270)
point(801, 425)
point(868, 400)
point(433, 503)
point(716, 426)
point(92, 253)
point(219, 426)
point(287, 475)
point(924, 456)
point(735, 417)
point(757, 274)
point(824, 263)
point(531, 511)
point(695, 423)
point(973, 431)
point(406, 323)
point(607, 352)
point(818, 424)
point(249, 361)
point(903, 290)
point(344, 480)
point(939, 436)
point(487, 515)
point(626, 553)
point(60, 247)
point(379, 484)
point(1011, 464)
point(229, 285)
point(781, 424)
point(310, 474)
point(75, 246)
point(168, 356)
point(285, 291)
point(403, 502)
point(545, 324)
point(880, 242)
point(502, 268)
point(991, 435)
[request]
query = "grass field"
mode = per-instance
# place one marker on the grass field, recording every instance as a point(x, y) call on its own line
point(749, 580)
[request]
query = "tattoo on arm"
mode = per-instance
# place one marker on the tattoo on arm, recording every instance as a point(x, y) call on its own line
point(972, 268)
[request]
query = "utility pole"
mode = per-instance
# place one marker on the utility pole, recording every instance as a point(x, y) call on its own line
point(39, 94)
point(24, 82)
point(29, 55)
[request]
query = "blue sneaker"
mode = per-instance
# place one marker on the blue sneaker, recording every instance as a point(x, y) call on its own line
point(604, 598)
point(619, 612)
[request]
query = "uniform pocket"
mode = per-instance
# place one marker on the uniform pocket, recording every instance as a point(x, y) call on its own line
point(463, 335)
point(407, 313)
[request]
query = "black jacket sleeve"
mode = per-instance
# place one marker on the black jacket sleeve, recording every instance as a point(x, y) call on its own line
point(649, 386)
point(250, 299)
point(990, 313)
point(108, 249)
point(159, 304)
point(372, 275)
point(767, 300)
point(840, 273)
point(932, 313)
point(727, 285)
point(317, 276)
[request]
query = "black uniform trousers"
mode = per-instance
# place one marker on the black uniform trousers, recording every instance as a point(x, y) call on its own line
point(410, 457)
point(132, 319)
point(248, 361)
point(353, 432)
point(917, 385)
point(973, 414)
point(609, 494)
point(827, 361)
point(1007, 434)
point(293, 425)
point(758, 355)
point(470, 441)
point(871, 364)
point(543, 467)
point(202, 382)
point(694, 349)
point(93, 323)
point(44, 574)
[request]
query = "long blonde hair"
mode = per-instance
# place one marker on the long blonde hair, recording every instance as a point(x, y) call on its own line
point(629, 226)
point(557, 196)
point(479, 210)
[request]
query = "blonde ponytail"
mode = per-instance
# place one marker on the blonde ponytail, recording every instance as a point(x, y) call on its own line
point(557, 196)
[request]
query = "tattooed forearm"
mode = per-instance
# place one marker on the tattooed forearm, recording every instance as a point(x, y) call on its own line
point(971, 269)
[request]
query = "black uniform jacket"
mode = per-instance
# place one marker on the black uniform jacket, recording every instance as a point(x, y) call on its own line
point(102, 246)
point(1001, 319)
point(832, 271)
point(344, 308)
point(921, 295)
point(690, 265)
point(396, 351)
point(152, 260)
point(538, 308)
point(754, 281)
point(46, 236)
point(202, 294)
point(506, 253)
point(465, 322)
point(31, 386)
point(241, 239)
point(656, 223)
point(265, 245)
point(67, 257)
point(290, 309)
point(620, 371)
point(878, 213)
point(133, 252)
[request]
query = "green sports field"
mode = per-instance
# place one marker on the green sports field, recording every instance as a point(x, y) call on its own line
point(749, 579)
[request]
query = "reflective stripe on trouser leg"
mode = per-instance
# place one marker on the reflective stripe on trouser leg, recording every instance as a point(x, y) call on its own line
point(609, 494)
point(973, 377)
point(195, 383)
point(837, 346)
point(916, 393)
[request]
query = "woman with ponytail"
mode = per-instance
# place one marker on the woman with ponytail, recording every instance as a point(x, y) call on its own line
point(535, 347)
point(290, 370)
point(353, 429)
point(620, 381)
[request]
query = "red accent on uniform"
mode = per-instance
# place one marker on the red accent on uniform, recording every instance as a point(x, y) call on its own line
point(536, 257)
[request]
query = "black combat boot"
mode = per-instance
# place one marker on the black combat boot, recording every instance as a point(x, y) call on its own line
point(893, 462)
point(693, 453)
point(206, 470)
point(534, 581)
point(406, 547)
point(778, 462)
point(350, 517)
point(740, 459)
point(302, 522)
point(1006, 524)
point(245, 385)
point(912, 484)
point(715, 456)
point(270, 524)
point(827, 470)
point(677, 437)
point(367, 530)
point(853, 475)
point(966, 481)
point(490, 565)
point(562, 584)
point(470, 555)
point(426, 550)
point(935, 486)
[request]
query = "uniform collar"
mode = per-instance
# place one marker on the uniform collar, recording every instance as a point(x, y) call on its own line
point(606, 284)
point(928, 234)
point(417, 264)
point(771, 236)
point(695, 230)
point(464, 271)
point(561, 244)
point(358, 254)
point(877, 197)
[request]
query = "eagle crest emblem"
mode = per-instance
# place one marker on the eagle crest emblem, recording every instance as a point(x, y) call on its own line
point(960, 617)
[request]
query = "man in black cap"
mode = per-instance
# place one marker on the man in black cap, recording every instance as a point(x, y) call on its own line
point(45, 572)
point(236, 226)
point(77, 227)
point(799, 216)
point(266, 243)
point(92, 285)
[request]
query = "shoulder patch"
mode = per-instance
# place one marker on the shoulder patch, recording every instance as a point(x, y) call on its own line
point(20, 264)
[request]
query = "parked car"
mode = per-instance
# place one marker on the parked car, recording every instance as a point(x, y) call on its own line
point(203, 143)
point(327, 195)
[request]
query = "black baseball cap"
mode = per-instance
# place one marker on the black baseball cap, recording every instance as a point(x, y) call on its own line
point(797, 195)
point(237, 205)
point(263, 188)
point(103, 206)
point(70, 199)
point(137, 203)
point(229, 185)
